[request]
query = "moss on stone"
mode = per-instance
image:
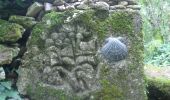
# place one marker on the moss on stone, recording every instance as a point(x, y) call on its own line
point(10, 32)
point(158, 77)
point(26, 22)
point(49, 22)
point(49, 93)
point(118, 22)
point(109, 92)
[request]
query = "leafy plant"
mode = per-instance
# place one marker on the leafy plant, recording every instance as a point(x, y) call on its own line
point(156, 29)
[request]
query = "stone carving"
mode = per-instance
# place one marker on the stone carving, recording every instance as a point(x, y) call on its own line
point(114, 50)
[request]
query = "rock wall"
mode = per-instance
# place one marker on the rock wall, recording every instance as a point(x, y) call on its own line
point(63, 60)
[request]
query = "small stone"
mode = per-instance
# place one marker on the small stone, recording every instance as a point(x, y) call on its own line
point(10, 32)
point(124, 3)
point(134, 7)
point(101, 6)
point(119, 7)
point(26, 22)
point(47, 69)
point(131, 2)
point(71, 1)
point(82, 6)
point(58, 2)
point(87, 46)
point(34, 9)
point(112, 8)
point(68, 61)
point(104, 0)
point(7, 54)
point(48, 7)
point(85, 59)
point(61, 8)
point(49, 42)
point(2, 73)
point(54, 36)
point(70, 7)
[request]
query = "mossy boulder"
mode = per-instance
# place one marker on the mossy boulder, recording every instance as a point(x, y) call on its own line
point(158, 80)
point(7, 54)
point(10, 32)
point(64, 57)
point(26, 22)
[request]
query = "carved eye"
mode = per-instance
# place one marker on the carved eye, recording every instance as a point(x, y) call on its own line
point(114, 50)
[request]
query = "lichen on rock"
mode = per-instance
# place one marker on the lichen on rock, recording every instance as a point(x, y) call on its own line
point(10, 32)
point(63, 56)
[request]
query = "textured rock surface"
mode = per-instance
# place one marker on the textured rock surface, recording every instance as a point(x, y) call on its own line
point(6, 54)
point(10, 32)
point(34, 9)
point(26, 22)
point(63, 60)
point(158, 79)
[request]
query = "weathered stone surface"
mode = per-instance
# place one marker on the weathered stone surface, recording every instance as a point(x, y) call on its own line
point(34, 9)
point(58, 2)
point(101, 6)
point(2, 73)
point(26, 22)
point(158, 80)
point(135, 7)
point(7, 54)
point(65, 60)
point(10, 32)
point(48, 7)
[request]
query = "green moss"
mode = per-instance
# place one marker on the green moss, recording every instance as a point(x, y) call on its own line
point(161, 83)
point(36, 34)
point(118, 22)
point(121, 22)
point(158, 77)
point(109, 92)
point(48, 93)
point(26, 22)
point(49, 22)
point(53, 19)
point(10, 32)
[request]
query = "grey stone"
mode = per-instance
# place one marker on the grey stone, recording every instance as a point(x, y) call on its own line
point(134, 7)
point(48, 7)
point(85, 59)
point(124, 3)
point(61, 8)
point(70, 7)
point(2, 73)
point(82, 6)
point(101, 6)
point(88, 46)
point(26, 22)
point(7, 54)
point(84, 70)
point(68, 61)
point(132, 2)
point(34, 9)
point(71, 1)
point(119, 7)
point(58, 2)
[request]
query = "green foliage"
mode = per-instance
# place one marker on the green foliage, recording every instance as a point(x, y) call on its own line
point(161, 56)
point(156, 28)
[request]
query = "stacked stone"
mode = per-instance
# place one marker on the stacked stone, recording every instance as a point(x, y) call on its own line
point(9, 34)
point(63, 5)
